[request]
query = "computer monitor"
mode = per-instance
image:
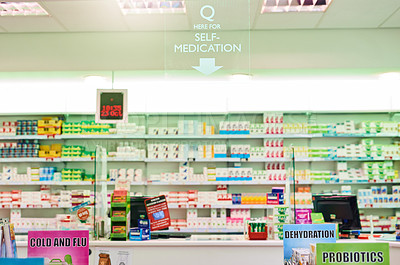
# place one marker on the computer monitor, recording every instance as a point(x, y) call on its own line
point(138, 210)
point(341, 209)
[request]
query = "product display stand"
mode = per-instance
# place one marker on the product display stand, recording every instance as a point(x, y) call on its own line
point(120, 222)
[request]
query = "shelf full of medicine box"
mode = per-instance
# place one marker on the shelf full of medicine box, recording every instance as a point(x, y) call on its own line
point(64, 183)
point(3, 207)
point(200, 231)
point(216, 136)
point(178, 160)
point(363, 182)
point(231, 206)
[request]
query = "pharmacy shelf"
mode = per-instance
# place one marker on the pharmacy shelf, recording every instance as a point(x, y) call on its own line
point(368, 230)
point(24, 137)
point(303, 206)
point(26, 230)
point(389, 181)
point(213, 136)
point(205, 137)
point(100, 136)
point(190, 183)
point(151, 160)
point(234, 206)
point(224, 159)
point(33, 208)
point(180, 160)
point(64, 183)
point(380, 206)
point(52, 183)
point(221, 206)
point(121, 159)
point(44, 160)
point(200, 230)
point(133, 183)
point(64, 159)
point(345, 159)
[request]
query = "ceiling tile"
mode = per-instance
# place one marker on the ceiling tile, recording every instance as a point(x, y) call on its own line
point(358, 13)
point(290, 20)
point(393, 21)
point(157, 22)
point(30, 24)
point(102, 15)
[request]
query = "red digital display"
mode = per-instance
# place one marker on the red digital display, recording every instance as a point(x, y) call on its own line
point(111, 111)
point(111, 106)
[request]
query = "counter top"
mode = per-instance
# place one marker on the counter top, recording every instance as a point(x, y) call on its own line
point(238, 241)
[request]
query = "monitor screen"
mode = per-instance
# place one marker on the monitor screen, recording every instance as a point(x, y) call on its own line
point(138, 210)
point(341, 209)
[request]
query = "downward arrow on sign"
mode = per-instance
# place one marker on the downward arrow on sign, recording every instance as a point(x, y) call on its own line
point(207, 66)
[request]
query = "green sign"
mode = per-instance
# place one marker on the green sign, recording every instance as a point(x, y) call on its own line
point(350, 253)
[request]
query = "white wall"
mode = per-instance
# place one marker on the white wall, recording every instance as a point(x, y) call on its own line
point(163, 94)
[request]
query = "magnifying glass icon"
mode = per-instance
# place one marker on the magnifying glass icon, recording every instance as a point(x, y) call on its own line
point(209, 17)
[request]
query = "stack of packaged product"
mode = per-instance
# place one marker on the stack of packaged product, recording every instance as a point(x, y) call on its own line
point(185, 151)
point(195, 198)
point(128, 128)
point(280, 217)
point(53, 151)
point(129, 174)
point(378, 196)
point(19, 149)
point(379, 223)
point(128, 150)
point(185, 127)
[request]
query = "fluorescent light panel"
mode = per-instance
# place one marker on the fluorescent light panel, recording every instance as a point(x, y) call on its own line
point(279, 6)
point(22, 9)
point(151, 6)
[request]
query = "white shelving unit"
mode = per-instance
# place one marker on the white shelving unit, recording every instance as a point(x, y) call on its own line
point(156, 166)
point(194, 137)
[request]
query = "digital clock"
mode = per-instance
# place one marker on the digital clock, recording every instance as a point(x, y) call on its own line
point(111, 106)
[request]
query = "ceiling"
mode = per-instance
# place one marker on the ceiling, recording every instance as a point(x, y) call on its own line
point(105, 16)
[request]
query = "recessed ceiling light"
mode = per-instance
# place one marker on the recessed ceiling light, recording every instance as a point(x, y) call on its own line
point(22, 9)
point(279, 6)
point(390, 76)
point(240, 77)
point(151, 6)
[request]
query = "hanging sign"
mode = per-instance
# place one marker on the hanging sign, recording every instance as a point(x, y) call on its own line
point(112, 106)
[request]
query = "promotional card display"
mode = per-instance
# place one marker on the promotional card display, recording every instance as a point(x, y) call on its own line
point(15, 261)
point(297, 240)
point(8, 247)
point(158, 213)
point(60, 247)
point(120, 208)
point(349, 254)
point(113, 256)
point(142, 232)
